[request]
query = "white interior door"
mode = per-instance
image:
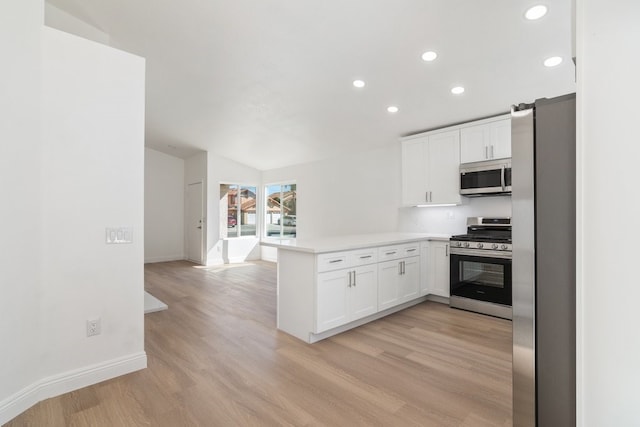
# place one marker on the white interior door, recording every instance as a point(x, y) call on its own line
point(195, 223)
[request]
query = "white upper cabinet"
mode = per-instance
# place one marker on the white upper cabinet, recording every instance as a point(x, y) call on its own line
point(486, 141)
point(430, 169)
point(414, 171)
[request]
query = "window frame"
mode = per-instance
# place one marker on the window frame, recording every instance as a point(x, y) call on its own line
point(265, 230)
point(239, 235)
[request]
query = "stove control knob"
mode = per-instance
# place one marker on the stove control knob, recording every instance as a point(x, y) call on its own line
point(503, 247)
point(458, 244)
point(480, 245)
point(494, 246)
point(466, 244)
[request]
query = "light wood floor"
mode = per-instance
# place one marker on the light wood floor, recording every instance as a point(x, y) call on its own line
point(216, 359)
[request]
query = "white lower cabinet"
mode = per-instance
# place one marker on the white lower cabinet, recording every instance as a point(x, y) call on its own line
point(438, 268)
point(363, 294)
point(320, 295)
point(410, 279)
point(388, 276)
point(332, 294)
point(399, 281)
point(346, 295)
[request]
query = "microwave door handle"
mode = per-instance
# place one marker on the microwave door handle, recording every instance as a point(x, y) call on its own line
point(502, 179)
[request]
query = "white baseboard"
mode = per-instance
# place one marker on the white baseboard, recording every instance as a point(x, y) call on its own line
point(164, 258)
point(72, 380)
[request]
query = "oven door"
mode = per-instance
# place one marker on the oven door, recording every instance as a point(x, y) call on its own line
point(482, 278)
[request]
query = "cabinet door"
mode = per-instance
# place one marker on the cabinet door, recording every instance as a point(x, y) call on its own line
point(486, 141)
point(500, 139)
point(363, 294)
point(409, 283)
point(443, 167)
point(414, 153)
point(388, 274)
point(331, 302)
point(473, 144)
point(439, 268)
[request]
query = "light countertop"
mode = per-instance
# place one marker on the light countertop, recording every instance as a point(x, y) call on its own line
point(347, 242)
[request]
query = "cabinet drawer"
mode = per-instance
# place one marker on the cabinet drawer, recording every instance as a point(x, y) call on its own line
point(387, 253)
point(332, 261)
point(362, 257)
point(410, 249)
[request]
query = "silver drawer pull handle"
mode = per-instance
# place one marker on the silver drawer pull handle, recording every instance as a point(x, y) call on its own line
point(365, 257)
point(411, 250)
point(334, 261)
point(390, 253)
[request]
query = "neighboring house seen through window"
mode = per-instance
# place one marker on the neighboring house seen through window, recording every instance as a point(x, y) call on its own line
point(237, 210)
point(280, 210)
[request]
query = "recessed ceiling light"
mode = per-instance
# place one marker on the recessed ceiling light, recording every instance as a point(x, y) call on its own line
point(429, 56)
point(358, 83)
point(457, 90)
point(535, 12)
point(553, 61)
point(392, 109)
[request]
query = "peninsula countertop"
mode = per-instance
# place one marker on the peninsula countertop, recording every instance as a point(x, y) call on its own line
point(347, 242)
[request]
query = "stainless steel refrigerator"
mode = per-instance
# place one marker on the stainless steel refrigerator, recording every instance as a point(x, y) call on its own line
point(544, 339)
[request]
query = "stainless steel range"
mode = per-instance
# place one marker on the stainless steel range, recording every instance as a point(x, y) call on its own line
point(481, 267)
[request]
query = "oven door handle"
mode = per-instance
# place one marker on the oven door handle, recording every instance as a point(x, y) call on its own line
point(479, 253)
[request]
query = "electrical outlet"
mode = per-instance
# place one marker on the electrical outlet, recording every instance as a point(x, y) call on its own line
point(93, 327)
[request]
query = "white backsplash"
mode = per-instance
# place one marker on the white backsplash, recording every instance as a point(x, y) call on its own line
point(452, 219)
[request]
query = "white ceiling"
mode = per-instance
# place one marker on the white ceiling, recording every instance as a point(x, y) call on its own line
point(268, 83)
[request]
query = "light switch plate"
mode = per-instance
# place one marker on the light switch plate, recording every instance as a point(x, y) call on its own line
point(118, 235)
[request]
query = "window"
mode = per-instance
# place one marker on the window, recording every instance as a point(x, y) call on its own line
point(237, 210)
point(280, 210)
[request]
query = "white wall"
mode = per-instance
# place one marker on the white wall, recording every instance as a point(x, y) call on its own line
point(222, 170)
point(20, 215)
point(93, 177)
point(453, 219)
point(353, 194)
point(74, 163)
point(164, 177)
point(195, 169)
point(61, 20)
point(608, 35)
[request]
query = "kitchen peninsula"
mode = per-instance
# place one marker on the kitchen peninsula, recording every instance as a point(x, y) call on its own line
point(329, 285)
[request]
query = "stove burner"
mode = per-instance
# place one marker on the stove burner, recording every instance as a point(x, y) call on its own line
point(485, 234)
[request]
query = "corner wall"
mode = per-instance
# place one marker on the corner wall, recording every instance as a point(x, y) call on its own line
point(93, 178)
point(163, 207)
point(76, 166)
point(223, 170)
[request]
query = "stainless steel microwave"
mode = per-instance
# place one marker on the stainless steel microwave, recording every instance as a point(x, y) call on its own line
point(491, 177)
